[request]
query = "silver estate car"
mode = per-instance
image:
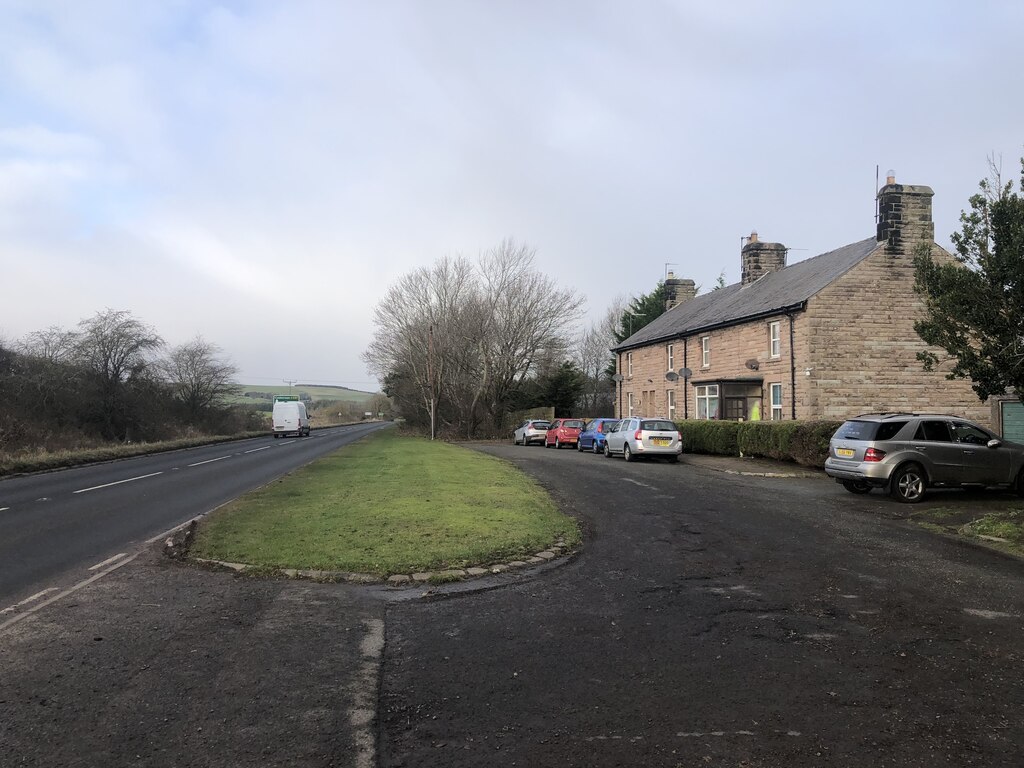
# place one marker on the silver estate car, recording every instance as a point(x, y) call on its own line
point(531, 431)
point(910, 452)
point(636, 436)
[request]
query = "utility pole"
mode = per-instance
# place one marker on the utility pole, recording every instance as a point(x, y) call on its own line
point(290, 383)
point(430, 377)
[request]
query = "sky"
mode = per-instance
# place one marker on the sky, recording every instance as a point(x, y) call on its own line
point(259, 173)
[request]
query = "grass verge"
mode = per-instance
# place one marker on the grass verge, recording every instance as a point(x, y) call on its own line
point(1001, 527)
point(389, 504)
point(41, 461)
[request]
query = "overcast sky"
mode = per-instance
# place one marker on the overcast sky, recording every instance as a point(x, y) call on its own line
point(259, 172)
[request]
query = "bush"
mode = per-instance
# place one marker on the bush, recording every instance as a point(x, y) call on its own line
point(718, 437)
point(803, 442)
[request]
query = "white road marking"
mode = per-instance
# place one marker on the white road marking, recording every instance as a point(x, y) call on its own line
point(364, 705)
point(118, 482)
point(28, 600)
point(108, 561)
point(637, 482)
point(3, 509)
point(210, 461)
point(18, 617)
point(988, 614)
point(258, 449)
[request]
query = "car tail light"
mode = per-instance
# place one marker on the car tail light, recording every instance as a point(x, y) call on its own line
point(873, 454)
point(638, 435)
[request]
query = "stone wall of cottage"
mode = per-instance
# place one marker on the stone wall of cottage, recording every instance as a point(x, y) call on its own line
point(862, 347)
point(740, 352)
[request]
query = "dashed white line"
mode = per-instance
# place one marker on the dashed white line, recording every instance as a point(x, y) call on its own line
point(118, 482)
point(637, 482)
point(99, 575)
point(258, 449)
point(210, 461)
point(28, 600)
point(108, 561)
point(4, 509)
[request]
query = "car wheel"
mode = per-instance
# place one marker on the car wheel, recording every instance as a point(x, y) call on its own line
point(276, 436)
point(596, 448)
point(856, 486)
point(579, 446)
point(908, 484)
point(626, 453)
point(558, 444)
point(607, 451)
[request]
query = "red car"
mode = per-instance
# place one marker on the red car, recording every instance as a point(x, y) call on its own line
point(563, 432)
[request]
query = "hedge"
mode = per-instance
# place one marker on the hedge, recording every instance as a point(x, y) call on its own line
point(803, 442)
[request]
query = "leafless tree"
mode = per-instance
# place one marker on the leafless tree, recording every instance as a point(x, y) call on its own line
point(199, 376)
point(115, 349)
point(466, 335)
point(593, 356)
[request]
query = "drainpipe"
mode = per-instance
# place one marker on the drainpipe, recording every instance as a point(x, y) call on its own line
point(792, 370)
point(618, 370)
point(686, 385)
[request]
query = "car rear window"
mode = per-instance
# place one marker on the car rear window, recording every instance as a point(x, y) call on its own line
point(541, 424)
point(869, 430)
point(657, 425)
point(572, 424)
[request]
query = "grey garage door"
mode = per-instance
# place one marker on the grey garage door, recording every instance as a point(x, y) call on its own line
point(1013, 420)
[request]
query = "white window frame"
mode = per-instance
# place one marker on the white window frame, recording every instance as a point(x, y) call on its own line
point(670, 399)
point(671, 358)
point(705, 394)
point(775, 339)
point(705, 351)
point(629, 403)
point(629, 364)
point(775, 398)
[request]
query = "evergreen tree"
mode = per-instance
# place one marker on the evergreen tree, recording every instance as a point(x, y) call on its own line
point(975, 305)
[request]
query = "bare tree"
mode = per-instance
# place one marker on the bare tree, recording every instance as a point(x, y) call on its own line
point(593, 356)
point(117, 350)
point(199, 376)
point(463, 336)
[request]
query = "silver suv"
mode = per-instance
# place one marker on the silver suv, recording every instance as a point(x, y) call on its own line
point(910, 452)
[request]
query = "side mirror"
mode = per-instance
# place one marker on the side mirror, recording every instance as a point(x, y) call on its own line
point(993, 443)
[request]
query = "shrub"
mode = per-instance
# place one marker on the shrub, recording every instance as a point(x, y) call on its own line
point(717, 437)
point(804, 442)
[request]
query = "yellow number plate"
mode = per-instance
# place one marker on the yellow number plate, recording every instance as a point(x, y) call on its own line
point(846, 453)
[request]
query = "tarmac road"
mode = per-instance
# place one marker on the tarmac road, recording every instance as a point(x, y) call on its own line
point(716, 620)
point(711, 619)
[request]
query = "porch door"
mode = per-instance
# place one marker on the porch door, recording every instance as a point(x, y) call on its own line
point(734, 408)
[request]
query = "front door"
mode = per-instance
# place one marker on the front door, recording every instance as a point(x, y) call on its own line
point(734, 408)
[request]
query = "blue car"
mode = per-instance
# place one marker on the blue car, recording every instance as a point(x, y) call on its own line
point(592, 437)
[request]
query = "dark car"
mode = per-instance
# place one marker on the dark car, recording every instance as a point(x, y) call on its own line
point(593, 436)
point(911, 452)
point(563, 432)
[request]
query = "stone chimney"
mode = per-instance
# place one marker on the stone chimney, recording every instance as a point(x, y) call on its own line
point(904, 216)
point(757, 259)
point(677, 291)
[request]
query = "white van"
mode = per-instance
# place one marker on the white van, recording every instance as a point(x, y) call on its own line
point(290, 418)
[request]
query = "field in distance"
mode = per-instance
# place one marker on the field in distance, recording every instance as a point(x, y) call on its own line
point(255, 393)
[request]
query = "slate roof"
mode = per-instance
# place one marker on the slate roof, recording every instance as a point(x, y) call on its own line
point(786, 289)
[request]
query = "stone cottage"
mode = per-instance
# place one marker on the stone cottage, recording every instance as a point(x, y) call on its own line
point(825, 338)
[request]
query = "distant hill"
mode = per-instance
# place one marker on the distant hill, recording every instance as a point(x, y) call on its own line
point(254, 393)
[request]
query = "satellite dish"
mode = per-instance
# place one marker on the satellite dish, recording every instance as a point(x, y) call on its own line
point(685, 373)
point(752, 364)
point(617, 377)
point(671, 375)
